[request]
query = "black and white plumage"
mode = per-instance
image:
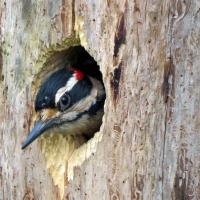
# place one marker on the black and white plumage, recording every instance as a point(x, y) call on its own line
point(70, 102)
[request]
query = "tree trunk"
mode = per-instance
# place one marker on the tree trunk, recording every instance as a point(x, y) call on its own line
point(149, 143)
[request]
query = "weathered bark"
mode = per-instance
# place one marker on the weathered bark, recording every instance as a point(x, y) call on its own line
point(148, 52)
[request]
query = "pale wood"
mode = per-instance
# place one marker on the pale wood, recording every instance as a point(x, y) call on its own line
point(148, 146)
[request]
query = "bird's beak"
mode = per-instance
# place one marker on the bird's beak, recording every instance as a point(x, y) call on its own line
point(39, 128)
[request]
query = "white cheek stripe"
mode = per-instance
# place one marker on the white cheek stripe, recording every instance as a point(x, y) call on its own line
point(70, 84)
point(85, 103)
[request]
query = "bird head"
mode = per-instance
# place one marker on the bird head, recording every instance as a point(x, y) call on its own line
point(69, 101)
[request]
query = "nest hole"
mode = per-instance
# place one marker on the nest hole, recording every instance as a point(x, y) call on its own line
point(60, 150)
point(76, 57)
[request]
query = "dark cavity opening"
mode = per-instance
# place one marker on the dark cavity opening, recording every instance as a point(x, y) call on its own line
point(73, 57)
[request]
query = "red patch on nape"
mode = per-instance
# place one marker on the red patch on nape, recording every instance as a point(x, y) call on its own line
point(79, 75)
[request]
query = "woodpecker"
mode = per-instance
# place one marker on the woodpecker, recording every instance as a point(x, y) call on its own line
point(68, 102)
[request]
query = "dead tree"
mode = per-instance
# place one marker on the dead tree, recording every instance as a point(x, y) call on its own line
point(149, 143)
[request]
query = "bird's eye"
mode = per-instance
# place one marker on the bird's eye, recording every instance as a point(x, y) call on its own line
point(64, 102)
